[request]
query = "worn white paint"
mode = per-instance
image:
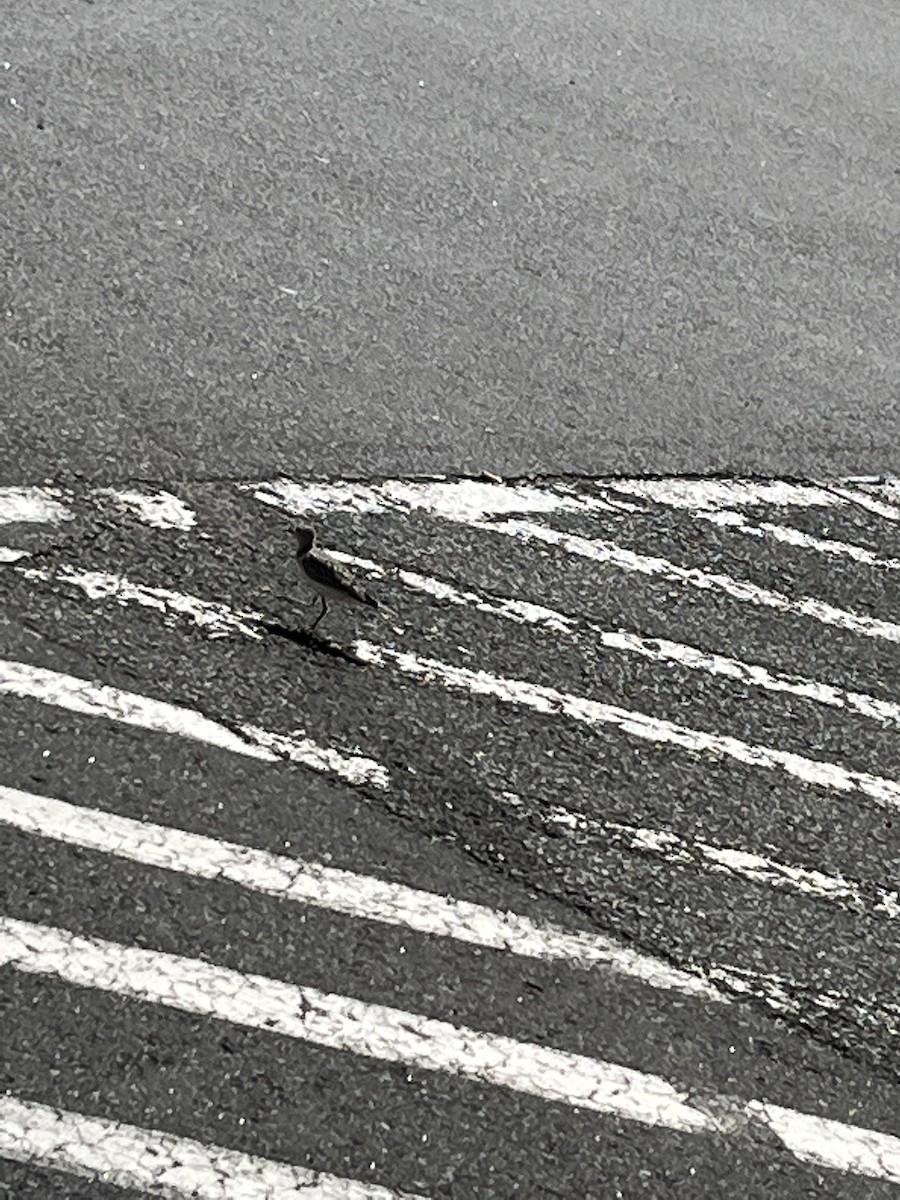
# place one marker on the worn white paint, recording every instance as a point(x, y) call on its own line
point(345, 1023)
point(552, 702)
point(161, 1164)
point(463, 500)
point(8, 554)
point(392, 1035)
point(160, 509)
point(346, 892)
point(131, 708)
point(32, 506)
point(359, 769)
point(656, 649)
point(728, 518)
point(482, 505)
point(868, 898)
point(707, 500)
point(215, 619)
point(295, 747)
point(613, 555)
point(725, 493)
point(866, 500)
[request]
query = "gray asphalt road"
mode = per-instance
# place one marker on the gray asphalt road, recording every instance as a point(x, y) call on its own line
point(690, 745)
point(575, 873)
point(386, 237)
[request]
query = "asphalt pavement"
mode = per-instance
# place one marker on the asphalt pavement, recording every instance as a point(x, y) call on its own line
point(652, 721)
point(387, 238)
point(573, 871)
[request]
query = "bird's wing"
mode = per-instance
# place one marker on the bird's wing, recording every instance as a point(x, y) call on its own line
point(334, 575)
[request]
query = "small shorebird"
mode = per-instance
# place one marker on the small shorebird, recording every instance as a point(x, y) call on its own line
point(331, 581)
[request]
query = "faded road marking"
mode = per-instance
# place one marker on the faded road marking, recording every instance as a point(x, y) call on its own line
point(394, 1035)
point(161, 509)
point(341, 891)
point(130, 708)
point(552, 702)
point(160, 1163)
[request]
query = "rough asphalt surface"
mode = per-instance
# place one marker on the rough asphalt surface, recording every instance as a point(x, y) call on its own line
point(488, 799)
point(385, 238)
point(398, 237)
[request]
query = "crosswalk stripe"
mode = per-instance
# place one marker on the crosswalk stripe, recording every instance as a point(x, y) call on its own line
point(856, 495)
point(32, 505)
point(393, 1035)
point(729, 519)
point(641, 725)
point(707, 500)
point(159, 1163)
point(725, 493)
point(160, 509)
point(345, 1023)
point(550, 701)
point(341, 891)
point(131, 708)
point(867, 898)
point(480, 506)
point(606, 552)
point(217, 619)
point(29, 506)
point(656, 649)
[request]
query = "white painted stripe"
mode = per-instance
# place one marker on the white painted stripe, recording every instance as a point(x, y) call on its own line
point(392, 1035)
point(890, 489)
point(130, 708)
point(552, 702)
point(219, 620)
point(345, 1023)
point(470, 503)
point(786, 997)
point(869, 899)
point(462, 500)
point(725, 493)
point(696, 495)
point(295, 747)
point(609, 553)
point(216, 620)
point(32, 505)
point(161, 1164)
point(357, 769)
point(160, 509)
point(341, 891)
point(832, 1144)
point(729, 519)
point(871, 503)
point(656, 649)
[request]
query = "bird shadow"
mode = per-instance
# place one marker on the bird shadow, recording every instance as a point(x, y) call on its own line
point(310, 641)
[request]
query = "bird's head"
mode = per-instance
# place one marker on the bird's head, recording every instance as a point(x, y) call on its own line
point(306, 539)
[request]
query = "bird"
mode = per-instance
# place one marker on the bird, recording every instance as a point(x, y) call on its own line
point(331, 581)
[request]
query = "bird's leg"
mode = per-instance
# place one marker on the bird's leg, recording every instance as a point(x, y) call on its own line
point(320, 616)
